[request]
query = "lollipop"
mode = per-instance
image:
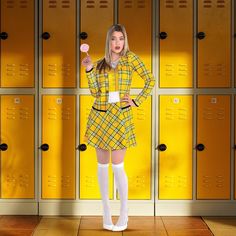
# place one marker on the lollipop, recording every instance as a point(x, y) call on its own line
point(84, 48)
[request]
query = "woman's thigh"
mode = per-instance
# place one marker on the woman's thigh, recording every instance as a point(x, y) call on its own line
point(103, 156)
point(117, 156)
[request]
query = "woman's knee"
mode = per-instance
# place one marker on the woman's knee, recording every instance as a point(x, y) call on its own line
point(103, 155)
point(117, 156)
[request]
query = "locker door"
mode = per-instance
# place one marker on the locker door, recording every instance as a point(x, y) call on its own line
point(214, 43)
point(95, 19)
point(136, 16)
point(213, 147)
point(17, 132)
point(17, 43)
point(138, 160)
point(89, 188)
point(59, 44)
point(176, 43)
point(175, 147)
point(58, 132)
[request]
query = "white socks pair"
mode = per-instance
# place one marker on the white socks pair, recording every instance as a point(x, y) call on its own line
point(122, 186)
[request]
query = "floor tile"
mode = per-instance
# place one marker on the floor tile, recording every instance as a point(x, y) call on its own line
point(221, 226)
point(19, 222)
point(190, 232)
point(176, 223)
point(18, 232)
point(98, 232)
point(58, 226)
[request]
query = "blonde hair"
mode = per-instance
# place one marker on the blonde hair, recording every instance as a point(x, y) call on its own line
point(106, 61)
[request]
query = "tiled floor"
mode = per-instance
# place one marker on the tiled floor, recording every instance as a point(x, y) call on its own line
point(138, 226)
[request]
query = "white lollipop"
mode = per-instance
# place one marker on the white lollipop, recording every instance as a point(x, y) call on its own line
point(84, 48)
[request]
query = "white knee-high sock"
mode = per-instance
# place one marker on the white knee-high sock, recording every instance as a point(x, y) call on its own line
point(122, 185)
point(104, 190)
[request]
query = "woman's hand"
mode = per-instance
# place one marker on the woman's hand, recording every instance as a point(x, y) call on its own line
point(128, 100)
point(87, 62)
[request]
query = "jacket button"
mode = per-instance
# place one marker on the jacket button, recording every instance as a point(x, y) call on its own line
point(107, 91)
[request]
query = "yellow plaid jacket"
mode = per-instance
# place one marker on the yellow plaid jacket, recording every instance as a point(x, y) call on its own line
point(99, 84)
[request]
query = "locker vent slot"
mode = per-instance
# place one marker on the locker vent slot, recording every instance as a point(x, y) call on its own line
point(182, 3)
point(90, 4)
point(214, 114)
point(65, 4)
point(214, 70)
point(103, 4)
point(90, 181)
point(207, 3)
point(141, 4)
point(220, 3)
point(128, 4)
point(23, 3)
point(10, 4)
point(24, 71)
point(11, 69)
point(52, 3)
point(137, 181)
point(169, 3)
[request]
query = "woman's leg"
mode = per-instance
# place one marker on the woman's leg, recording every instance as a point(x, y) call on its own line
point(122, 185)
point(103, 164)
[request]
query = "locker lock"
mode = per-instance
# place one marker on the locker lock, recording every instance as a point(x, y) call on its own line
point(44, 147)
point(4, 35)
point(3, 147)
point(82, 147)
point(162, 147)
point(46, 35)
point(83, 35)
point(163, 35)
point(200, 147)
point(201, 35)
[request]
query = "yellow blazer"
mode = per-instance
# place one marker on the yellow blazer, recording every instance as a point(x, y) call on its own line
point(99, 84)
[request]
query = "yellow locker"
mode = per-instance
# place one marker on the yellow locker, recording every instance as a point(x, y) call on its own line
point(89, 188)
point(17, 43)
point(213, 147)
point(138, 159)
point(136, 16)
point(175, 147)
point(59, 44)
point(17, 137)
point(176, 43)
point(214, 34)
point(58, 158)
point(95, 19)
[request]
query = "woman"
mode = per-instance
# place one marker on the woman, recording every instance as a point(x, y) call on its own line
point(110, 122)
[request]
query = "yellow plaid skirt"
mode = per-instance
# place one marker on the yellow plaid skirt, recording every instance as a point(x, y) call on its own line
point(112, 129)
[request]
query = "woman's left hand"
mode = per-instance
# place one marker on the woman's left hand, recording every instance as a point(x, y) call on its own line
point(128, 100)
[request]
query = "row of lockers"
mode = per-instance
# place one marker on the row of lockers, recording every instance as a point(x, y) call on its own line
point(176, 149)
point(62, 27)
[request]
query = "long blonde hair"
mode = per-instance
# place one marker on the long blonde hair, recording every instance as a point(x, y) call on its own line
point(106, 61)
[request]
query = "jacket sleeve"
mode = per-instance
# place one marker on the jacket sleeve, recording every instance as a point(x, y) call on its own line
point(146, 75)
point(92, 82)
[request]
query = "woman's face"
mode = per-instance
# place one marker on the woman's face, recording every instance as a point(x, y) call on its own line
point(117, 42)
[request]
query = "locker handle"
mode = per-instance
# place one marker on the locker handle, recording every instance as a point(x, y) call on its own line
point(3, 147)
point(200, 147)
point(46, 35)
point(83, 35)
point(162, 147)
point(44, 147)
point(163, 35)
point(4, 35)
point(82, 147)
point(201, 35)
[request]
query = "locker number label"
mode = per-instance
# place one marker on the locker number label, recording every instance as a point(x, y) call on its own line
point(59, 100)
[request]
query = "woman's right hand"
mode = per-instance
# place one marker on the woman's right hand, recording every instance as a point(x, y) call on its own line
point(87, 62)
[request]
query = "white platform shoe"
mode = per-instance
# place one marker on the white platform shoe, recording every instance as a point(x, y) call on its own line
point(108, 227)
point(122, 227)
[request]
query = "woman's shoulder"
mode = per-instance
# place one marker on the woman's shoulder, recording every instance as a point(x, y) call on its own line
point(132, 56)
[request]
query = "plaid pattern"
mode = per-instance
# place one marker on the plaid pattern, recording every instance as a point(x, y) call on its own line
point(109, 126)
point(99, 83)
point(112, 129)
